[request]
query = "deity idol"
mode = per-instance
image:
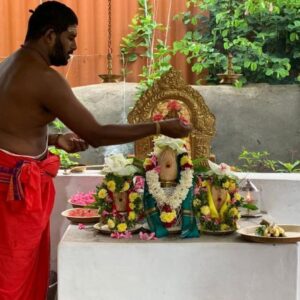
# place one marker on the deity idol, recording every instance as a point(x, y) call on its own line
point(217, 200)
point(169, 189)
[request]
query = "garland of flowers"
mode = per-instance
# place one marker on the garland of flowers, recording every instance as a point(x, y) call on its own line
point(169, 204)
point(226, 217)
point(179, 194)
point(109, 215)
point(120, 178)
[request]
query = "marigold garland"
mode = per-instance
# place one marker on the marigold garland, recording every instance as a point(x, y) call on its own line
point(226, 217)
point(104, 195)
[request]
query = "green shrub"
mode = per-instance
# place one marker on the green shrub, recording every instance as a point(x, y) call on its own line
point(263, 36)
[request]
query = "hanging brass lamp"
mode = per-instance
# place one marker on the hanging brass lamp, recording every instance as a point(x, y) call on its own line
point(110, 77)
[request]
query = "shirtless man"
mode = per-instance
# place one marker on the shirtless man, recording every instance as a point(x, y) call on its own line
point(31, 96)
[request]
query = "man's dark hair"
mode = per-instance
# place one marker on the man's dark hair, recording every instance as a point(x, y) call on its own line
point(50, 14)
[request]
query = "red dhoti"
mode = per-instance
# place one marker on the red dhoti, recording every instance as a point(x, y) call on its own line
point(26, 200)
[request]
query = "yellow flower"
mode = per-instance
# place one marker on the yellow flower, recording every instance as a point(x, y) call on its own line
point(205, 210)
point(168, 217)
point(111, 224)
point(147, 162)
point(132, 206)
point(232, 186)
point(225, 185)
point(102, 193)
point(204, 183)
point(131, 216)
point(237, 196)
point(185, 160)
point(111, 185)
point(122, 227)
point(233, 212)
point(196, 202)
point(224, 227)
point(126, 186)
point(133, 196)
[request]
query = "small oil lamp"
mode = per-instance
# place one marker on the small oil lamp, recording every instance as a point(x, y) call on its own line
point(252, 197)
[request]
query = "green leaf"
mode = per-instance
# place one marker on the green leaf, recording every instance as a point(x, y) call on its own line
point(250, 206)
point(269, 72)
point(294, 36)
point(226, 45)
point(247, 63)
point(132, 57)
point(253, 66)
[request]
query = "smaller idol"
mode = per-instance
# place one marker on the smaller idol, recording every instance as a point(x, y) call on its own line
point(217, 200)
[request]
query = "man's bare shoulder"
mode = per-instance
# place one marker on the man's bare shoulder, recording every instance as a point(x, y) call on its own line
point(51, 79)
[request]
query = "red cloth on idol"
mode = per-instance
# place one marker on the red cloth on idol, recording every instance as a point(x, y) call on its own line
point(26, 201)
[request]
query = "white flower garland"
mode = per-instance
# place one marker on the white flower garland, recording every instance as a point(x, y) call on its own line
point(179, 194)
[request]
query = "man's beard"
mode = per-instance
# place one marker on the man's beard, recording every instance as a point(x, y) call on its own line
point(58, 57)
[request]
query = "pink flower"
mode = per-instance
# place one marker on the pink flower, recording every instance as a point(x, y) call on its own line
point(115, 235)
point(217, 221)
point(83, 198)
point(196, 190)
point(223, 167)
point(206, 218)
point(157, 169)
point(153, 160)
point(81, 226)
point(127, 235)
point(105, 213)
point(147, 237)
point(199, 181)
point(139, 183)
point(118, 235)
point(157, 117)
point(173, 105)
point(184, 120)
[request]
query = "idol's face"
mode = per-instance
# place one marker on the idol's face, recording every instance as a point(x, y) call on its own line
point(64, 46)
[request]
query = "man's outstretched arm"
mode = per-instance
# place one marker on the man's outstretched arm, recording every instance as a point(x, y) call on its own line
point(61, 102)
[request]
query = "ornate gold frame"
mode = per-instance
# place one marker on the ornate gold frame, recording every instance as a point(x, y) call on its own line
point(172, 86)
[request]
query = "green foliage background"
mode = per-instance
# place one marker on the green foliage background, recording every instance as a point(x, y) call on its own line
point(262, 35)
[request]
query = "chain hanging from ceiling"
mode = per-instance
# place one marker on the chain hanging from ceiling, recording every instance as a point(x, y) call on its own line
point(109, 77)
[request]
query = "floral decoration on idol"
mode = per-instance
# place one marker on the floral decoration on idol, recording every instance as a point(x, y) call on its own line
point(118, 198)
point(217, 199)
point(173, 109)
point(169, 204)
point(168, 193)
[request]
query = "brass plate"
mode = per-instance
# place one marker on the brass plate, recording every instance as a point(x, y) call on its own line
point(105, 230)
point(75, 205)
point(218, 232)
point(292, 235)
point(78, 219)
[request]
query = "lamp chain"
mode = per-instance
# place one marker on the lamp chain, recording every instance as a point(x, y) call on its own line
point(109, 54)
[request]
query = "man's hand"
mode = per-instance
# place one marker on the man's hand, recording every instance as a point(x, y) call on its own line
point(174, 128)
point(71, 143)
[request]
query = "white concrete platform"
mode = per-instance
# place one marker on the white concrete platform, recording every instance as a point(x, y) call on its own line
point(215, 260)
point(92, 266)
